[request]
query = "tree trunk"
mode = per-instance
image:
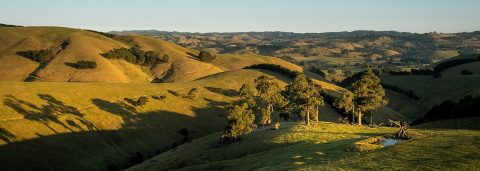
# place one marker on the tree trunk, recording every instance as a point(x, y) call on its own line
point(353, 114)
point(316, 118)
point(307, 119)
point(270, 110)
point(359, 117)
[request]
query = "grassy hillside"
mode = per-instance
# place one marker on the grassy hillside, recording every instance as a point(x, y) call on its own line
point(323, 147)
point(433, 91)
point(60, 124)
point(74, 45)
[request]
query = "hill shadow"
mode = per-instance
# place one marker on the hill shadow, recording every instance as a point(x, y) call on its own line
point(49, 113)
point(225, 92)
point(142, 135)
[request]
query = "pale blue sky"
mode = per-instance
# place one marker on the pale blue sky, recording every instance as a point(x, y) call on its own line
point(247, 15)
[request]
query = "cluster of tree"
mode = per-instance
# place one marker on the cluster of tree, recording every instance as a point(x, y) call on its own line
point(137, 56)
point(204, 56)
point(465, 107)
point(355, 77)
point(413, 72)
point(8, 25)
point(317, 71)
point(451, 63)
point(301, 97)
point(42, 55)
point(368, 95)
point(275, 68)
point(466, 72)
point(83, 64)
point(408, 93)
point(102, 33)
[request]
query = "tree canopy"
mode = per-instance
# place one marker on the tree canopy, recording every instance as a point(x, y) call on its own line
point(269, 93)
point(303, 97)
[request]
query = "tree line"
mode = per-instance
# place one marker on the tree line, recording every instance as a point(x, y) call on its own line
point(300, 100)
point(42, 55)
point(275, 68)
point(137, 56)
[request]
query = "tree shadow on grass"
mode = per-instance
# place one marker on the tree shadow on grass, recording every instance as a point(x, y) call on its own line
point(229, 92)
point(142, 135)
point(7, 136)
point(47, 114)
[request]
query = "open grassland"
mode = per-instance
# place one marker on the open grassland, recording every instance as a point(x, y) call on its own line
point(323, 146)
point(74, 126)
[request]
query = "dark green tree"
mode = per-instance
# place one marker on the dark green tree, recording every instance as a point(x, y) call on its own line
point(240, 121)
point(304, 97)
point(269, 94)
point(368, 95)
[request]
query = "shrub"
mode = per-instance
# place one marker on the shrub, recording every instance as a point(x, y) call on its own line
point(161, 97)
point(42, 55)
point(285, 115)
point(466, 72)
point(206, 56)
point(317, 71)
point(275, 68)
point(141, 101)
point(83, 64)
point(102, 33)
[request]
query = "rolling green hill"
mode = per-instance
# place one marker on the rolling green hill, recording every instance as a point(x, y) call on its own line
point(323, 147)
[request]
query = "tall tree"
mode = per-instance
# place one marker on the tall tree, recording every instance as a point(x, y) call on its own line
point(346, 103)
point(240, 121)
point(368, 95)
point(304, 97)
point(269, 93)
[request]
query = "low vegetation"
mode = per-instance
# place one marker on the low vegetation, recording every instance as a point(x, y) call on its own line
point(83, 64)
point(137, 56)
point(275, 68)
point(408, 93)
point(42, 55)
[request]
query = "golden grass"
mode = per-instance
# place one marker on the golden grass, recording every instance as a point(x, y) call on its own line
point(323, 147)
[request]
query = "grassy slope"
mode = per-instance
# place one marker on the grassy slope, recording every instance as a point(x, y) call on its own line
point(59, 124)
point(85, 45)
point(433, 91)
point(82, 45)
point(323, 147)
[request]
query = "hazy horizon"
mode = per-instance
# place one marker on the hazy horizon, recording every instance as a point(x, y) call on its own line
point(306, 16)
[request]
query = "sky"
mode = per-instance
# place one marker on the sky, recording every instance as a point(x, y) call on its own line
point(247, 15)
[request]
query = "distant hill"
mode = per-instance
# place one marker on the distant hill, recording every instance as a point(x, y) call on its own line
point(73, 45)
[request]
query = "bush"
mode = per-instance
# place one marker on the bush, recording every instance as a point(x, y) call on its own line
point(161, 97)
point(102, 33)
point(141, 101)
point(42, 55)
point(285, 116)
point(83, 64)
point(317, 71)
point(206, 56)
point(136, 56)
point(466, 72)
point(275, 68)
